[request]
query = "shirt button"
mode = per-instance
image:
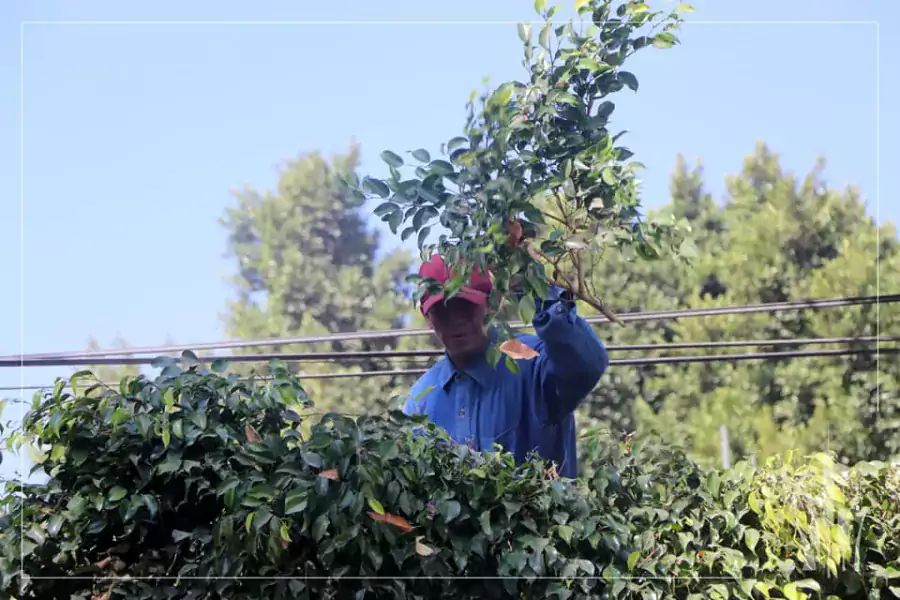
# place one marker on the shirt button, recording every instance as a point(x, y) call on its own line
point(559, 308)
point(462, 412)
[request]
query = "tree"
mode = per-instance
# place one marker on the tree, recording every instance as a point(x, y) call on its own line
point(307, 266)
point(198, 485)
point(546, 140)
point(775, 238)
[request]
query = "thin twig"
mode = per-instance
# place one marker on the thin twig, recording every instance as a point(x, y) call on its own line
point(554, 217)
point(568, 285)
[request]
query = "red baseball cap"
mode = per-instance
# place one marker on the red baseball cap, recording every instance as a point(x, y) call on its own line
point(477, 292)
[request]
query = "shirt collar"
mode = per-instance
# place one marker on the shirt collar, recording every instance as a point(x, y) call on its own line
point(479, 370)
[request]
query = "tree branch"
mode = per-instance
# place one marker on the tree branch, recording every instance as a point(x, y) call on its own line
point(572, 289)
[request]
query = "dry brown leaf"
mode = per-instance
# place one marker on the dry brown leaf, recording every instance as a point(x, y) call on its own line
point(252, 434)
point(422, 549)
point(398, 522)
point(551, 473)
point(514, 231)
point(331, 474)
point(517, 349)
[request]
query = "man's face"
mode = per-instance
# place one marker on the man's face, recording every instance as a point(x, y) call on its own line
point(459, 325)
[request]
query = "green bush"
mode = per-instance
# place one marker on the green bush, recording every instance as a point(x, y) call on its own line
point(201, 485)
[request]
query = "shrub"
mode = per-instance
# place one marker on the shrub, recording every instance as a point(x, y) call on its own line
point(199, 485)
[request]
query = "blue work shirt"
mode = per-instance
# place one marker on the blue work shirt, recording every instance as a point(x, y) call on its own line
point(532, 410)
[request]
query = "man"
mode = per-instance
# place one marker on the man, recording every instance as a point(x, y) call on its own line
point(480, 406)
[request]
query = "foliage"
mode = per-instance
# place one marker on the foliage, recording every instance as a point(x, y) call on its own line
point(776, 237)
point(200, 485)
point(546, 137)
point(307, 266)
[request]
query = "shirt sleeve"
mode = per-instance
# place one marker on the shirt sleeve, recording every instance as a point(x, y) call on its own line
point(572, 358)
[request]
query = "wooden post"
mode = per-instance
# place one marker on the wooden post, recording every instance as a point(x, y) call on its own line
point(726, 449)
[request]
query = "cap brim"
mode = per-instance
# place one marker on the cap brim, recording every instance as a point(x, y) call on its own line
point(468, 294)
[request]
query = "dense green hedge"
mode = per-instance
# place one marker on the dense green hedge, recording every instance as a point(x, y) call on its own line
point(198, 485)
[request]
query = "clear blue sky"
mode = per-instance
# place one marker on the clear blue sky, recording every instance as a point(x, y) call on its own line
point(134, 135)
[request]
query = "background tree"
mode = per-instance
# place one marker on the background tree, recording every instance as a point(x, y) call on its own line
point(307, 266)
point(774, 238)
point(110, 373)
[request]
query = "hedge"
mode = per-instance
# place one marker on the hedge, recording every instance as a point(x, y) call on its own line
point(199, 484)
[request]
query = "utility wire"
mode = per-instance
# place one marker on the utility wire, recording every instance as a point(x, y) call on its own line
point(387, 354)
point(656, 360)
point(397, 333)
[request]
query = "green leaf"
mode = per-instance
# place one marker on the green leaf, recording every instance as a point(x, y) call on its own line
point(395, 220)
point(683, 7)
point(633, 559)
point(423, 236)
point(525, 32)
point(376, 186)
point(392, 159)
point(117, 493)
point(629, 79)
point(544, 37)
point(605, 109)
point(635, 8)
point(587, 63)
point(441, 167)
point(295, 501)
point(485, 520)
point(751, 537)
point(385, 208)
point(284, 531)
point(512, 365)
point(421, 155)
point(423, 216)
point(161, 362)
point(809, 584)
point(320, 527)
point(312, 459)
point(539, 6)
point(449, 509)
point(526, 308)
point(664, 40)
point(753, 502)
point(220, 365)
point(791, 592)
point(376, 506)
point(189, 359)
point(178, 535)
point(457, 142)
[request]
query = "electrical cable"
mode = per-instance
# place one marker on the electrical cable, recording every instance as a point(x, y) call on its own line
point(644, 361)
point(397, 333)
point(387, 354)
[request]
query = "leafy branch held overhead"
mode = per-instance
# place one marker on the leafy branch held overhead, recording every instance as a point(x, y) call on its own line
point(539, 156)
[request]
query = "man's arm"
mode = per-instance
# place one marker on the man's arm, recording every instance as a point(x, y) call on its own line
point(572, 358)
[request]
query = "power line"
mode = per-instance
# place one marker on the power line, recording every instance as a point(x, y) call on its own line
point(656, 360)
point(388, 354)
point(397, 333)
